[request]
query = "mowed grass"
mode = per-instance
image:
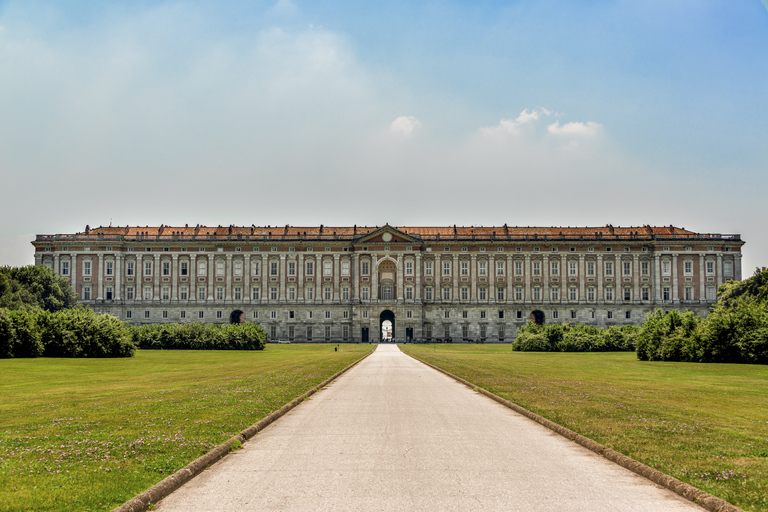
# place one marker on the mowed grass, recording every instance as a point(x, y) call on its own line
point(89, 434)
point(705, 424)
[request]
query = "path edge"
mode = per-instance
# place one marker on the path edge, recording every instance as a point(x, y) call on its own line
point(687, 491)
point(173, 482)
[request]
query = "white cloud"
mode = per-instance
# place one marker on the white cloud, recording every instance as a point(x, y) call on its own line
point(284, 8)
point(404, 125)
point(512, 126)
point(575, 128)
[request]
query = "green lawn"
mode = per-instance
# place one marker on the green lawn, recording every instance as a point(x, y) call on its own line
point(89, 434)
point(705, 424)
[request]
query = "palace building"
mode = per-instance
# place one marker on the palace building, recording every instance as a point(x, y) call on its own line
point(310, 284)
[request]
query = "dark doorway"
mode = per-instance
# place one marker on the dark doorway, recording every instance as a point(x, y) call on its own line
point(365, 335)
point(408, 334)
point(237, 317)
point(387, 325)
point(537, 317)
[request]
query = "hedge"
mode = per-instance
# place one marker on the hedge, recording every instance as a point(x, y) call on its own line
point(575, 338)
point(200, 336)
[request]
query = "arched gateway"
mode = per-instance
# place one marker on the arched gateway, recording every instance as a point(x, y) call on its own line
point(387, 325)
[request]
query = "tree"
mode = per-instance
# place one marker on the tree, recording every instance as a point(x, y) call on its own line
point(35, 287)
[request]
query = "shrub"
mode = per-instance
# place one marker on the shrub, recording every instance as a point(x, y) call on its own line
point(79, 332)
point(669, 336)
point(7, 334)
point(28, 339)
point(199, 336)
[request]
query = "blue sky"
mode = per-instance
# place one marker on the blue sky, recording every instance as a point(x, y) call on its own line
point(412, 113)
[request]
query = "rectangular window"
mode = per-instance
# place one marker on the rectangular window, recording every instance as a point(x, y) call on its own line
point(166, 293)
point(309, 333)
point(711, 293)
point(166, 268)
point(688, 268)
point(446, 268)
point(291, 293)
point(344, 332)
point(291, 314)
point(537, 268)
point(183, 314)
point(499, 268)
point(310, 268)
point(555, 268)
point(646, 294)
point(273, 315)
point(609, 294)
point(409, 268)
point(665, 293)
point(327, 268)
point(65, 268)
point(327, 293)
point(408, 293)
point(129, 315)
point(327, 315)
point(165, 314)
point(86, 268)
point(238, 293)
point(345, 314)
point(537, 293)
point(627, 294)
point(591, 294)
point(573, 293)
point(501, 333)
point(201, 292)
point(147, 293)
point(554, 293)
point(201, 314)
point(291, 268)
point(482, 293)
point(608, 268)
point(310, 293)
point(327, 333)
point(255, 268)
point(147, 268)
point(109, 268)
point(129, 293)
point(428, 293)
point(464, 293)
point(464, 268)
point(627, 268)
point(555, 314)
point(291, 332)
point(519, 293)
point(146, 314)
point(365, 293)
point(518, 268)
point(710, 268)
point(427, 268)
point(446, 293)
point(728, 268)
point(219, 315)
point(365, 314)
point(688, 293)
point(273, 331)
point(572, 266)
point(465, 331)
point(482, 268)
point(483, 331)
point(499, 294)
point(644, 268)
point(183, 293)
point(238, 268)
point(201, 266)
point(610, 314)
point(219, 293)
point(573, 314)
point(665, 268)
point(255, 293)
point(345, 293)
point(184, 268)
point(273, 293)
point(345, 267)
point(273, 268)
point(365, 267)
point(590, 268)
point(86, 293)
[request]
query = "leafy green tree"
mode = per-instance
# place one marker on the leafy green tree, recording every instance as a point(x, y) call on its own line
point(35, 287)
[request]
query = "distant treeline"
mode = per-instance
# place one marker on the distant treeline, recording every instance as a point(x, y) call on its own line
point(199, 336)
point(575, 338)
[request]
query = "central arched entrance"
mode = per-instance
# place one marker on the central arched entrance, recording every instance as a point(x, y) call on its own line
point(387, 325)
point(237, 317)
point(537, 317)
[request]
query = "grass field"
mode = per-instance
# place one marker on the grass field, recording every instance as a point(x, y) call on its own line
point(89, 434)
point(705, 424)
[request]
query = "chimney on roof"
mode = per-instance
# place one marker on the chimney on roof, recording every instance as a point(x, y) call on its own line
point(87, 229)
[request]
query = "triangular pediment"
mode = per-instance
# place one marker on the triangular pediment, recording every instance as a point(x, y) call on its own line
point(387, 235)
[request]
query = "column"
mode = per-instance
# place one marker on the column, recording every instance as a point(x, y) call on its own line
point(228, 278)
point(283, 278)
point(400, 277)
point(563, 278)
point(247, 278)
point(582, 280)
point(418, 296)
point(73, 273)
point(211, 277)
point(355, 293)
point(473, 278)
point(264, 281)
point(636, 278)
point(675, 274)
point(192, 277)
point(545, 271)
point(300, 278)
point(156, 274)
point(118, 277)
point(336, 278)
point(100, 277)
point(138, 292)
point(702, 273)
point(374, 278)
point(737, 266)
point(527, 271)
point(455, 292)
point(438, 291)
point(175, 277)
point(657, 277)
point(56, 264)
point(599, 278)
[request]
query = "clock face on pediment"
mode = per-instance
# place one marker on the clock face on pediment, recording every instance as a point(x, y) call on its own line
point(387, 237)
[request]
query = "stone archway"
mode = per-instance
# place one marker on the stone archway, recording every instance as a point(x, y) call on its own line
point(387, 325)
point(237, 317)
point(537, 317)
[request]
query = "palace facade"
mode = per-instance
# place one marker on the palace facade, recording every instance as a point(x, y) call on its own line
point(355, 283)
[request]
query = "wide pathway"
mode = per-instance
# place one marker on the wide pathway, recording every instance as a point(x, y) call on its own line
point(394, 434)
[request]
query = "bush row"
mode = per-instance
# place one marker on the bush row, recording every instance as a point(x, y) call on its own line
point(200, 336)
point(75, 332)
point(575, 338)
